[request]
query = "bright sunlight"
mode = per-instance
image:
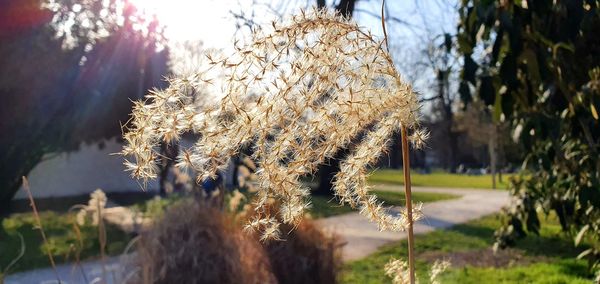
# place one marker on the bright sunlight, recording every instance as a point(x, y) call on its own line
point(192, 20)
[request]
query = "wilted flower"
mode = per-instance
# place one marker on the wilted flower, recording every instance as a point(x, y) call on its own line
point(439, 266)
point(94, 208)
point(397, 270)
point(419, 138)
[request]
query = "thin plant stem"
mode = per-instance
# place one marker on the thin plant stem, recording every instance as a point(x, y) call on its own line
point(77, 232)
point(15, 260)
point(102, 240)
point(39, 224)
point(406, 168)
point(408, 193)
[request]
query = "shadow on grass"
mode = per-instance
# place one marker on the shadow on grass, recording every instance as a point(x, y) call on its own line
point(63, 240)
point(549, 257)
point(551, 242)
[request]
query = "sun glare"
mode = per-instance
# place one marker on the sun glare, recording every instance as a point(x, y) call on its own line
point(205, 20)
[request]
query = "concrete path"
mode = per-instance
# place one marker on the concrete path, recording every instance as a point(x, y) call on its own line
point(87, 272)
point(363, 238)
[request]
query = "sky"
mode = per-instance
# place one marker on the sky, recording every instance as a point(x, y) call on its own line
point(411, 25)
point(213, 22)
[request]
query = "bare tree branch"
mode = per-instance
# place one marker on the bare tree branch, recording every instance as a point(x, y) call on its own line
point(387, 18)
point(429, 99)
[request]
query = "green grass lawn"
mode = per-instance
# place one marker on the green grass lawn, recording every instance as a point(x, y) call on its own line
point(438, 179)
point(326, 206)
point(61, 236)
point(548, 258)
point(322, 206)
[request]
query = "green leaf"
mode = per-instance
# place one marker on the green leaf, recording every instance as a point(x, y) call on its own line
point(497, 45)
point(465, 46)
point(471, 19)
point(497, 107)
point(508, 70)
point(563, 45)
point(531, 61)
point(581, 234)
point(585, 253)
point(465, 92)
point(594, 111)
point(486, 90)
point(470, 69)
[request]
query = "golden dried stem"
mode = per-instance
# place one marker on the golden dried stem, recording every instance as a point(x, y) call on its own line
point(407, 191)
point(39, 224)
point(102, 239)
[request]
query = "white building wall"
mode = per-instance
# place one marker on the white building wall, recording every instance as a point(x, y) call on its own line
point(82, 172)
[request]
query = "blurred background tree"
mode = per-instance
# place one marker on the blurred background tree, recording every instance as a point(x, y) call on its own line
point(476, 121)
point(537, 63)
point(69, 72)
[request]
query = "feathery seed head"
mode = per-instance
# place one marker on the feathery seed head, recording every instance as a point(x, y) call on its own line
point(296, 94)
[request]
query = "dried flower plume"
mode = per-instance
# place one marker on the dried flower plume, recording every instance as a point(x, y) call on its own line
point(93, 209)
point(296, 94)
point(397, 269)
point(439, 267)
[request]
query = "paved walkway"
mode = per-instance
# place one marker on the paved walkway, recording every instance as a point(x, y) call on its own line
point(87, 272)
point(363, 238)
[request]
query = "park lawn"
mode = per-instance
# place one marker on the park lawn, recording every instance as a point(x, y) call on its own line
point(62, 239)
point(323, 206)
point(438, 179)
point(547, 258)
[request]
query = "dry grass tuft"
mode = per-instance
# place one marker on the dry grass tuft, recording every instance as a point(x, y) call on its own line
point(194, 243)
point(306, 255)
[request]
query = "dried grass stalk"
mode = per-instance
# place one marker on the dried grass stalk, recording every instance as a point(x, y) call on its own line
point(36, 216)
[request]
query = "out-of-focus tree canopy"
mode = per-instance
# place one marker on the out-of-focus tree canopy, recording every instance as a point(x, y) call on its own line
point(69, 70)
point(537, 63)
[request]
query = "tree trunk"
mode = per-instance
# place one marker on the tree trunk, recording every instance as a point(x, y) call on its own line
point(453, 164)
point(493, 158)
point(453, 137)
point(346, 8)
point(501, 158)
point(18, 163)
point(169, 152)
point(443, 87)
point(327, 173)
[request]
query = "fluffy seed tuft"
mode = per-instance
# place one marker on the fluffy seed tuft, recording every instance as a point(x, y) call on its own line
point(296, 94)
